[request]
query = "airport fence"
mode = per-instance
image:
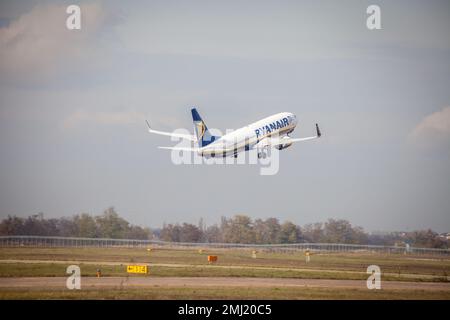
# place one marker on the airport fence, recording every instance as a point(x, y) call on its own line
point(51, 242)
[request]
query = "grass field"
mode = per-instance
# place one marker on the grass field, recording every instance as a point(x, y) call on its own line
point(52, 262)
point(227, 293)
point(347, 265)
point(89, 270)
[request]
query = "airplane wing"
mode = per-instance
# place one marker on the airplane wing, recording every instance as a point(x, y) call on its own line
point(170, 134)
point(318, 135)
point(274, 142)
point(180, 149)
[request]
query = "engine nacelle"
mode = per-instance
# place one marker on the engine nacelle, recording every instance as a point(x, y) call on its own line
point(285, 143)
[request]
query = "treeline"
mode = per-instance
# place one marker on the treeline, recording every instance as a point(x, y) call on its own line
point(242, 229)
point(107, 225)
point(238, 229)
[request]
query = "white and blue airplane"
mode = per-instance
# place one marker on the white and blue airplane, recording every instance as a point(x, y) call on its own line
point(270, 132)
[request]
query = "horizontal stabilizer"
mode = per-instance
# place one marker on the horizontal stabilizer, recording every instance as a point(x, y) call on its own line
point(170, 134)
point(180, 149)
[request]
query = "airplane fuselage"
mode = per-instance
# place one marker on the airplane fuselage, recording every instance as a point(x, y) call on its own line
point(245, 138)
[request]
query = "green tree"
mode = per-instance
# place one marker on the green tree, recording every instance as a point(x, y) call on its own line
point(190, 233)
point(12, 226)
point(136, 232)
point(313, 232)
point(341, 231)
point(268, 231)
point(36, 225)
point(213, 234)
point(110, 225)
point(238, 229)
point(425, 238)
point(67, 227)
point(289, 233)
point(86, 225)
point(170, 232)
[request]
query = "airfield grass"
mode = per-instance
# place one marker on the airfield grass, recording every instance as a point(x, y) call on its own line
point(88, 270)
point(189, 262)
point(52, 262)
point(201, 293)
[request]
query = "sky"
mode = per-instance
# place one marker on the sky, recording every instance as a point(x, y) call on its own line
point(73, 105)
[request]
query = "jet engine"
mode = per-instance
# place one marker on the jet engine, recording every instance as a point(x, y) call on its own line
point(285, 142)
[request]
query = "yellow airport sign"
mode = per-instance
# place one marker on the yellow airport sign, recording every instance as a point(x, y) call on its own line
point(137, 269)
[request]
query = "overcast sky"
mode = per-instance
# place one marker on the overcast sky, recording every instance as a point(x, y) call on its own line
point(72, 107)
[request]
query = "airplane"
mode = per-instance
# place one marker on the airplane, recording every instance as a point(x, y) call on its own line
point(270, 132)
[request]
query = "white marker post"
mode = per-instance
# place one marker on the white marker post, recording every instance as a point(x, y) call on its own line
point(307, 256)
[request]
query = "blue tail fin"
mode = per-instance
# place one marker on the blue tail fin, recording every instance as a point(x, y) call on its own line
point(204, 137)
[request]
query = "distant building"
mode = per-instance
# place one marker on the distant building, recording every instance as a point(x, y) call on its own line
point(445, 236)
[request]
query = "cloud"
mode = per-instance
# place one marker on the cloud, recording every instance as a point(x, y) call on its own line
point(38, 42)
point(433, 128)
point(83, 117)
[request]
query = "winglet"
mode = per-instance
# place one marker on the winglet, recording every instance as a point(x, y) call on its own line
point(148, 125)
point(318, 131)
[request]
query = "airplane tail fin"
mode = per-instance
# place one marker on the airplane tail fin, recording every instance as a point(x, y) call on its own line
point(204, 137)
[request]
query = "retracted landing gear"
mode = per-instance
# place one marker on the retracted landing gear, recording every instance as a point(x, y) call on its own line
point(262, 155)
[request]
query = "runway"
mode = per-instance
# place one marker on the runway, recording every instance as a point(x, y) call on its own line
point(195, 282)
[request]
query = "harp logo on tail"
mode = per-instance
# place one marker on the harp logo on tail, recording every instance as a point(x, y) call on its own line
point(201, 128)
